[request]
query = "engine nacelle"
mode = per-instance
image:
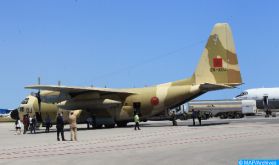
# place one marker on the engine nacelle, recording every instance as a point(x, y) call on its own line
point(53, 96)
point(84, 104)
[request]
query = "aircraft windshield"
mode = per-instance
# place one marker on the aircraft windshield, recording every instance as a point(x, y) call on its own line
point(25, 101)
point(242, 94)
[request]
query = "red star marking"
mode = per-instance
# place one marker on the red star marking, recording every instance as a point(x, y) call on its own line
point(154, 101)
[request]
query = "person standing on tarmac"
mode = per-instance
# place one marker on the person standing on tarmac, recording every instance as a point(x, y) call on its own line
point(194, 115)
point(30, 124)
point(33, 124)
point(73, 125)
point(25, 123)
point(18, 126)
point(173, 118)
point(60, 127)
point(48, 123)
point(89, 121)
point(136, 120)
point(199, 116)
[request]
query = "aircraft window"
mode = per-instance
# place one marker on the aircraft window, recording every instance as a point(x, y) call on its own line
point(25, 101)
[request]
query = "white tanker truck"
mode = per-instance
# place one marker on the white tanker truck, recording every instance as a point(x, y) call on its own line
point(212, 108)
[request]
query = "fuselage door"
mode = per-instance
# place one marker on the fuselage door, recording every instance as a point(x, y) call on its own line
point(137, 108)
point(265, 101)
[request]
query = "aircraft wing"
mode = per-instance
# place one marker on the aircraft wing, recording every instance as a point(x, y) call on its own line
point(79, 90)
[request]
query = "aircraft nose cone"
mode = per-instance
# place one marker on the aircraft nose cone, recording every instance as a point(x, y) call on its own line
point(14, 114)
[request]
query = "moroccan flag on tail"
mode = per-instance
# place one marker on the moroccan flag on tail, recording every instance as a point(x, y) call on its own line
point(217, 62)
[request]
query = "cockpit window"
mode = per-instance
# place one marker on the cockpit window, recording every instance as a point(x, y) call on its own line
point(242, 94)
point(25, 101)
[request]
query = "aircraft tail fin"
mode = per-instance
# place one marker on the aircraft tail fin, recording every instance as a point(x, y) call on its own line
point(218, 63)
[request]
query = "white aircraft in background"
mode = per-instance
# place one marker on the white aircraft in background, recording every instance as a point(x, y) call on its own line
point(266, 98)
point(5, 115)
point(5, 112)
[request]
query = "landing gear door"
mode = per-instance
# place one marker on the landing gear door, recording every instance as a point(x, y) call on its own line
point(39, 117)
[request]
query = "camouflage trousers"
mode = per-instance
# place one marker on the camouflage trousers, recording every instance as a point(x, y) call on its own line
point(73, 133)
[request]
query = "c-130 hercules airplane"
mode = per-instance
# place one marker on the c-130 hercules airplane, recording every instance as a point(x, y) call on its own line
point(218, 69)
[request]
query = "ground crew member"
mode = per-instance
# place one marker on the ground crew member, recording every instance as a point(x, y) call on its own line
point(136, 119)
point(60, 126)
point(30, 124)
point(33, 124)
point(73, 125)
point(173, 118)
point(48, 123)
point(194, 115)
point(89, 121)
point(199, 116)
point(18, 126)
point(25, 123)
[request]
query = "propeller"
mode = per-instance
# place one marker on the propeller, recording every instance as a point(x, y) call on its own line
point(39, 99)
point(38, 96)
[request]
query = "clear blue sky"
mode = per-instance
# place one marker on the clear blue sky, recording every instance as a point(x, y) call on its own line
point(128, 43)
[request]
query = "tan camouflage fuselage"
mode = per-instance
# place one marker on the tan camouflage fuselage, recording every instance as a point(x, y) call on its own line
point(168, 96)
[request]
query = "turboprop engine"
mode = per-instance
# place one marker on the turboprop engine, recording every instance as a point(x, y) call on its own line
point(84, 104)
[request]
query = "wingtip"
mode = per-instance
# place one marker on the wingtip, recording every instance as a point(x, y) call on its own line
point(31, 86)
point(28, 87)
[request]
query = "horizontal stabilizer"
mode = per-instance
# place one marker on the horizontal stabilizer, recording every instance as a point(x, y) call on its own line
point(210, 87)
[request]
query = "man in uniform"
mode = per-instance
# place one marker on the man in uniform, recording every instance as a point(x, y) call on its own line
point(173, 118)
point(48, 123)
point(199, 115)
point(194, 115)
point(60, 126)
point(136, 119)
point(73, 125)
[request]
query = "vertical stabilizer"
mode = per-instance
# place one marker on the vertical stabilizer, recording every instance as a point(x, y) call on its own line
point(218, 63)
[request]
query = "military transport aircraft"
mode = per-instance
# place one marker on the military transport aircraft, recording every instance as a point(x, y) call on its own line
point(218, 69)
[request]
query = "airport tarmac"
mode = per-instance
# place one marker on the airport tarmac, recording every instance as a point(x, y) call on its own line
point(216, 142)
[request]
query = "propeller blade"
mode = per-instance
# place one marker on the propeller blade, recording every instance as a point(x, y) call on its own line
point(39, 100)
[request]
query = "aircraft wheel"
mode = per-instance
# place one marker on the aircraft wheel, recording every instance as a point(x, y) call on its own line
point(121, 124)
point(110, 125)
point(99, 126)
point(237, 115)
point(223, 116)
